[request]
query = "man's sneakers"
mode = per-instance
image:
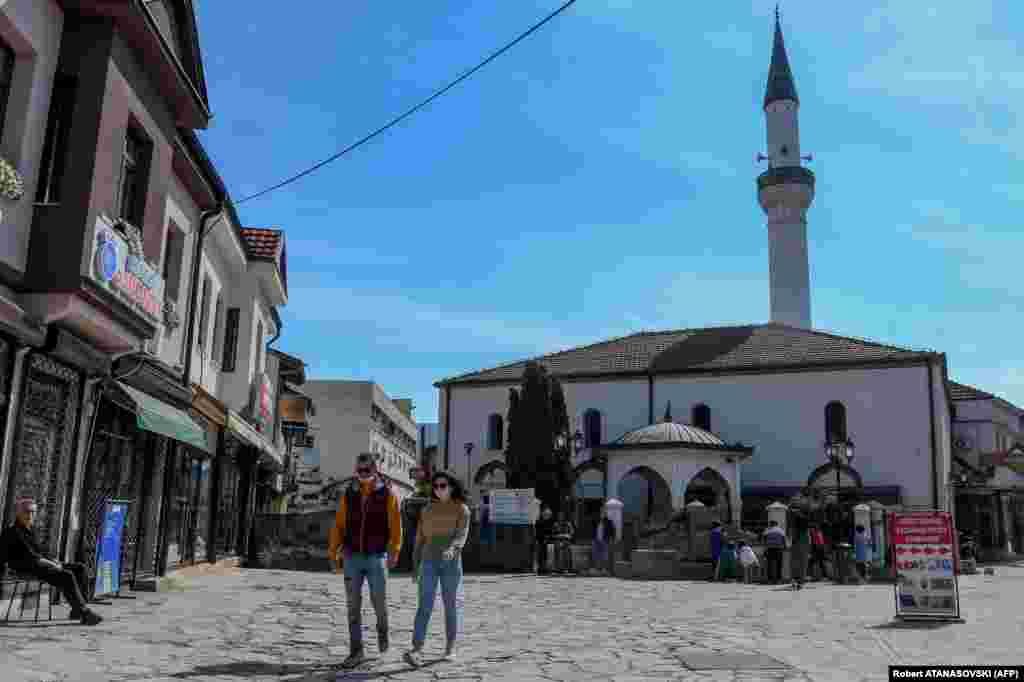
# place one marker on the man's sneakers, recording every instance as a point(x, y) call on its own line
point(357, 657)
point(86, 616)
point(414, 658)
point(382, 643)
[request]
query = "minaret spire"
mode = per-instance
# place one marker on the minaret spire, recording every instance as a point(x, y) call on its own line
point(780, 77)
point(785, 192)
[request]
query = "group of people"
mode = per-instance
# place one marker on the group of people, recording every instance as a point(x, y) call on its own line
point(736, 559)
point(561, 534)
point(366, 541)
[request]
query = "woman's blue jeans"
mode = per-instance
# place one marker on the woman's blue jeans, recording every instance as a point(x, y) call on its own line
point(449, 574)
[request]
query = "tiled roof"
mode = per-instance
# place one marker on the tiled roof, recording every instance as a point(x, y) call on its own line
point(669, 432)
point(262, 243)
point(717, 348)
point(965, 392)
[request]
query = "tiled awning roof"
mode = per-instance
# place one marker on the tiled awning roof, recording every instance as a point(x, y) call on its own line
point(965, 392)
point(262, 243)
point(749, 347)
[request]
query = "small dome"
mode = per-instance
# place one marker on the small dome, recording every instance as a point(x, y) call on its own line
point(668, 433)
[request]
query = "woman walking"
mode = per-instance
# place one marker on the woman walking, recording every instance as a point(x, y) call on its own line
point(437, 557)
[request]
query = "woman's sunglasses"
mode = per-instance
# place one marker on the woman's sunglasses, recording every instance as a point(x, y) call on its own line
point(441, 486)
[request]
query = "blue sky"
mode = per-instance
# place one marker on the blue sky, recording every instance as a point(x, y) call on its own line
point(599, 179)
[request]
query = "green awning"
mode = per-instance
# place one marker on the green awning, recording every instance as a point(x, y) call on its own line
point(158, 417)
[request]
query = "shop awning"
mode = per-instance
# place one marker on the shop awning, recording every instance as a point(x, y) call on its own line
point(158, 417)
point(250, 435)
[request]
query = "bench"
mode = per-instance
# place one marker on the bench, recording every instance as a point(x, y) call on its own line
point(14, 580)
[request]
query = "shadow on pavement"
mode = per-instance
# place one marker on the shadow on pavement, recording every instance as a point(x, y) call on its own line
point(314, 672)
point(910, 625)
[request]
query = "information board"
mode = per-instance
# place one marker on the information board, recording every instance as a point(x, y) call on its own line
point(511, 506)
point(923, 555)
point(108, 558)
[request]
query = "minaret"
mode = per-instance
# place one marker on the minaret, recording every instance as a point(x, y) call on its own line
point(785, 192)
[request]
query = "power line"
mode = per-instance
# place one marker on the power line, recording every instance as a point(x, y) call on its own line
point(398, 119)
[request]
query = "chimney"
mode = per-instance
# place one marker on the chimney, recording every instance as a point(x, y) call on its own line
point(405, 406)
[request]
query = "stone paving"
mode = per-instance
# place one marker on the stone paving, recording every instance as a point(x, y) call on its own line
point(277, 625)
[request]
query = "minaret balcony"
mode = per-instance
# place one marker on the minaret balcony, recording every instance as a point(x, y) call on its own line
point(784, 175)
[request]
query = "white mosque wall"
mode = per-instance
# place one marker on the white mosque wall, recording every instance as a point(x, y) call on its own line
point(623, 406)
point(783, 416)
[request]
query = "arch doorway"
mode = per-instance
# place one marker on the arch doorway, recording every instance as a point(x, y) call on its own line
point(588, 493)
point(646, 496)
point(712, 490)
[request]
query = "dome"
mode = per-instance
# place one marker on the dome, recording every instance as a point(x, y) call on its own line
point(670, 433)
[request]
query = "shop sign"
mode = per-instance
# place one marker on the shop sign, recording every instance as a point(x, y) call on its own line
point(923, 553)
point(1015, 459)
point(118, 263)
point(511, 506)
point(108, 559)
point(266, 402)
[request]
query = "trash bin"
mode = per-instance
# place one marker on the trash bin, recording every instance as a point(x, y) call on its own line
point(845, 557)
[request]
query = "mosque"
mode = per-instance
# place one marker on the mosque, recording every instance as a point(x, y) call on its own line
point(736, 417)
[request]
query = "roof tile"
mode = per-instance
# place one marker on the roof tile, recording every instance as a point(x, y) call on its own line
point(261, 242)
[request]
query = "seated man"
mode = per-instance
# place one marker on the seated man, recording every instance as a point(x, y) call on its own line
point(18, 549)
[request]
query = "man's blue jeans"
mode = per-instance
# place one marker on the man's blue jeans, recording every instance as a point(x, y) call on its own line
point(373, 569)
point(449, 574)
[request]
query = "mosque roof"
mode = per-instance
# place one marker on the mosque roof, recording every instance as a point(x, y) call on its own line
point(669, 432)
point(780, 77)
point(737, 349)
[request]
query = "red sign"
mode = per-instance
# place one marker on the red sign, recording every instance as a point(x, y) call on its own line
point(139, 293)
point(926, 585)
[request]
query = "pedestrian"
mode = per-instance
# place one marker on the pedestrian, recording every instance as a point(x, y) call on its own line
point(748, 560)
point(20, 551)
point(365, 541)
point(488, 530)
point(603, 537)
point(542, 533)
point(563, 533)
point(716, 547)
point(862, 550)
point(817, 565)
point(437, 557)
point(800, 547)
point(727, 569)
point(775, 542)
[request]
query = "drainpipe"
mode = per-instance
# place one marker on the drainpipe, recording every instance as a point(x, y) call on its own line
point(197, 260)
point(13, 408)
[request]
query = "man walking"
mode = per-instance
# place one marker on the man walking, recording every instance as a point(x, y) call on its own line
point(543, 529)
point(19, 550)
point(366, 540)
point(775, 542)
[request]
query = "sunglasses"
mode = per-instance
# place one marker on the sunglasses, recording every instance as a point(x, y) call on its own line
point(440, 486)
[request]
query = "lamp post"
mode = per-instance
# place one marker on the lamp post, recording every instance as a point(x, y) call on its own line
point(839, 451)
point(567, 447)
point(469, 453)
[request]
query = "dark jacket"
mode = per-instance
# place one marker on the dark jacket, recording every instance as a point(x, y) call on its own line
point(544, 528)
point(367, 528)
point(18, 549)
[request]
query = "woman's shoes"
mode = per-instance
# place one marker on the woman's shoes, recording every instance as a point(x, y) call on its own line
point(449, 653)
point(412, 657)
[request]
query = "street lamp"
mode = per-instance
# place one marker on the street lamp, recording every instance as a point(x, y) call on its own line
point(839, 452)
point(469, 452)
point(567, 447)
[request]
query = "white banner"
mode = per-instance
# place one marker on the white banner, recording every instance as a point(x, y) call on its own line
point(511, 506)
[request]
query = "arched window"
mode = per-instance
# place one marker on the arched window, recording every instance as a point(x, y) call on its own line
point(495, 432)
point(591, 428)
point(701, 417)
point(835, 421)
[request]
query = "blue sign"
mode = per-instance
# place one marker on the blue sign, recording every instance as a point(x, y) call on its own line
point(106, 256)
point(108, 558)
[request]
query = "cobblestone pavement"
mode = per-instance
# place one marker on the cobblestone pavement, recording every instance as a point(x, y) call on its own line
point(276, 625)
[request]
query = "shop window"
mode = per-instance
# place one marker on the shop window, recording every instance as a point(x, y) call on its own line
point(55, 145)
point(591, 428)
point(701, 417)
point(231, 324)
point(135, 157)
point(174, 251)
point(495, 432)
point(204, 314)
point(218, 329)
point(835, 421)
point(7, 59)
